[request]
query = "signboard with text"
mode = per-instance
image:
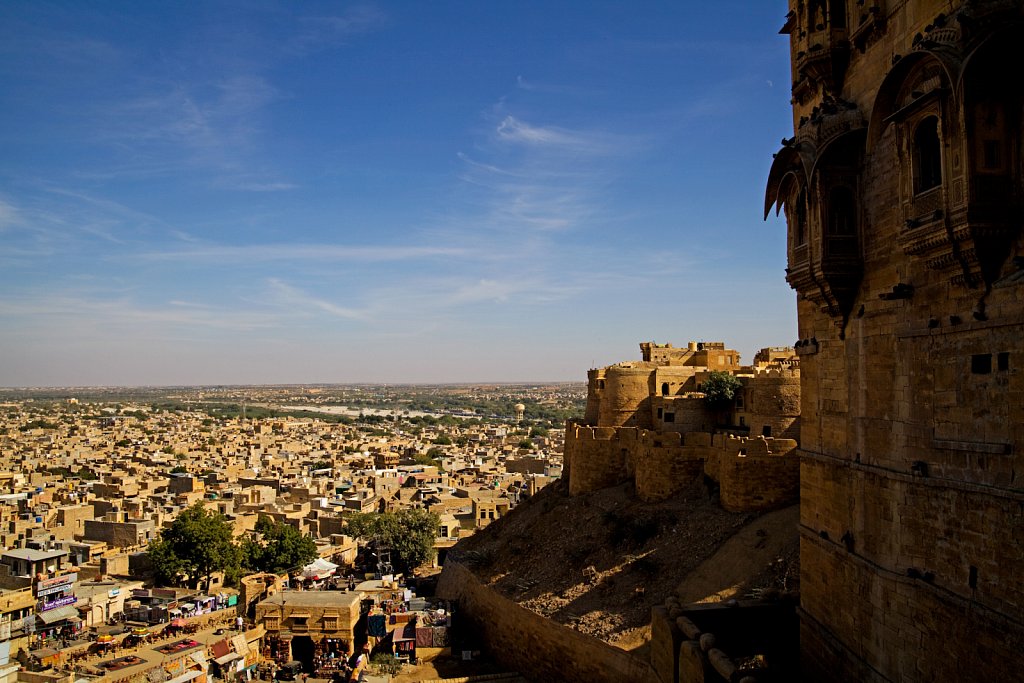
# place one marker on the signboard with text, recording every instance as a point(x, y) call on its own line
point(59, 602)
point(42, 592)
point(65, 580)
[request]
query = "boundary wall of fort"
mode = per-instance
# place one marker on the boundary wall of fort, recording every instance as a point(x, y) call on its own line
point(534, 645)
point(753, 473)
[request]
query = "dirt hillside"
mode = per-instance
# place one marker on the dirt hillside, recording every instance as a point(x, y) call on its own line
point(600, 561)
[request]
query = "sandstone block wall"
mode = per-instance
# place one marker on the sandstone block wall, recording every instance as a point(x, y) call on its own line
point(626, 399)
point(753, 473)
point(664, 463)
point(596, 456)
point(533, 645)
point(688, 414)
point(907, 627)
point(756, 474)
point(772, 400)
point(913, 396)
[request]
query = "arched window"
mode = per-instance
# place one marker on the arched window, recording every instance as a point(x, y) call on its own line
point(664, 389)
point(927, 156)
point(842, 212)
point(816, 15)
point(800, 215)
point(837, 13)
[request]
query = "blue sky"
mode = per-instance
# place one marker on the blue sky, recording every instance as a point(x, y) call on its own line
point(278, 192)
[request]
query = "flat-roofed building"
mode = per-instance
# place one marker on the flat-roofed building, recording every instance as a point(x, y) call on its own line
point(309, 625)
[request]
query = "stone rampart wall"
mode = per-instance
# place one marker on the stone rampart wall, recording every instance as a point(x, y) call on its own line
point(626, 400)
point(596, 456)
point(666, 462)
point(753, 473)
point(535, 646)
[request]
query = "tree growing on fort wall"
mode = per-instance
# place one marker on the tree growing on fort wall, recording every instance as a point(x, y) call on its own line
point(720, 390)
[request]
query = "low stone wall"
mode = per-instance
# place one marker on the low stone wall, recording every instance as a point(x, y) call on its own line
point(706, 643)
point(533, 645)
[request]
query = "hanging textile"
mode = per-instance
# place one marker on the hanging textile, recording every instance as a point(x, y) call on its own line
point(440, 636)
point(377, 625)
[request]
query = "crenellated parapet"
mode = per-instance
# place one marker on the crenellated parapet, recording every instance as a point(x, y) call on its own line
point(784, 370)
point(753, 473)
point(648, 422)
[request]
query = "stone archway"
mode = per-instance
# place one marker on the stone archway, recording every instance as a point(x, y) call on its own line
point(302, 651)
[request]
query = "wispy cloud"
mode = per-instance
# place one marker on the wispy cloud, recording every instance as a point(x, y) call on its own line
point(294, 298)
point(8, 215)
point(200, 115)
point(541, 178)
point(169, 127)
point(249, 253)
point(324, 32)
point(512, 129)
point(550, 88)
point(246, 185)
point(103, 313)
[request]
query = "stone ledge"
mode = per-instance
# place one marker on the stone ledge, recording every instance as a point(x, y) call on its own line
point(974, 446)
point(939, 593)
point(908, 478)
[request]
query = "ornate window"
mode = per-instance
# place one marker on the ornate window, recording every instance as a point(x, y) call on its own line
point(837, 13)
point(927, 152)
point(800, 219)
point(842, 218)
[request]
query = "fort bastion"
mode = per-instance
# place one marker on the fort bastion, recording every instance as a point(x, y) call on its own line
point(648, 422)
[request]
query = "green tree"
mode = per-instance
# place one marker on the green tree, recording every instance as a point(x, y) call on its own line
point(409, 533)
point(86, 474)
point(386, 663)
point(443, 440)
point(179, 469)
point(279, 547)
point(197, 543)
point(430, 458)
point(720, 389)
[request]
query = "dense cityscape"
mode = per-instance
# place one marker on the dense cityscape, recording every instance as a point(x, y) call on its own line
point(94, 475)
point(269, 249)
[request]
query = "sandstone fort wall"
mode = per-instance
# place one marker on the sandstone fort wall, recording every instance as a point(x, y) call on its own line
point(534, 645)
point(752, 473)
point(909, 277)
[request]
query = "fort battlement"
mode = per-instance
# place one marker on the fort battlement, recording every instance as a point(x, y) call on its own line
point(648, 422)
point(786, 370)
point(752, 473)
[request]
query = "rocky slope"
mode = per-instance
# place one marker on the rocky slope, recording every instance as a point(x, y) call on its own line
point(600, 561)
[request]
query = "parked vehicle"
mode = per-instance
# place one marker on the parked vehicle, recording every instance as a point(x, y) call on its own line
point(289, 671)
